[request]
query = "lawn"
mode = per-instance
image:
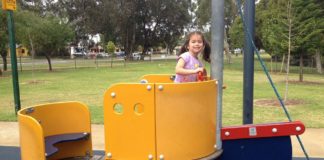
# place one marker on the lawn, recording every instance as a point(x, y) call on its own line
point(87, 84)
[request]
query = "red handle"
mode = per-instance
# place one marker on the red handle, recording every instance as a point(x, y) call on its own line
point(201, 76)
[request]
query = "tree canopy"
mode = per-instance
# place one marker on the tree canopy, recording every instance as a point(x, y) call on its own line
point(47, 27)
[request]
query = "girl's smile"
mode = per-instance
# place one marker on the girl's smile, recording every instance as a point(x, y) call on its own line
point(195, 44)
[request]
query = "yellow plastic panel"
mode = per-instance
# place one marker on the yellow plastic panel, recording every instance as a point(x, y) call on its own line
point(31, 138)
point(64, 117)
point(158, 78)
point(129, 118)
point(186, 119)
point(55, 119)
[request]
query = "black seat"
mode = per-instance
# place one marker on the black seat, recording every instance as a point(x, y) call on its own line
point(50, 141)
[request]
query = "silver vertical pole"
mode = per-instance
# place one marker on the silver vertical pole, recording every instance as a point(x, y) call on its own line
point(217, 59)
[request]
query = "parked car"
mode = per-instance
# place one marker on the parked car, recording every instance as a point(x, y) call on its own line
point(120, 54)
point(237, 51)
point(79, 54)
point(92, 55)
point(136, 56)
point(102, 55)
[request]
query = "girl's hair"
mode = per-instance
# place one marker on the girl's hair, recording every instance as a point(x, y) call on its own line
point(207, 49)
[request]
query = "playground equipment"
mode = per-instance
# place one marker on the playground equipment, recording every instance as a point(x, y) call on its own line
point(55, 131)
point(261, 141)
point(157, 119)
point(160, 120)
point(150, 120)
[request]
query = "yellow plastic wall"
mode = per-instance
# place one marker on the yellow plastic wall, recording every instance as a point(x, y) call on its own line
point(31, 138)
point(158, 78)
point(53, 119)
point(178, 120)
point(186, 120)
point(130, 135)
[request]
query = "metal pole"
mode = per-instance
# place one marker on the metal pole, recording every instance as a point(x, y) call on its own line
point(217, 59)
point(12, 43)
point(248, 76)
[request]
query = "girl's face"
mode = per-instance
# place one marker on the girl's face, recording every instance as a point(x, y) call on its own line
point(196, 44)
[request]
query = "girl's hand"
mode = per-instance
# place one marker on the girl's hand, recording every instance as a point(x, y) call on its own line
point(199, 69)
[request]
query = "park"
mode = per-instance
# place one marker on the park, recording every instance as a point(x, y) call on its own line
point(62, 90)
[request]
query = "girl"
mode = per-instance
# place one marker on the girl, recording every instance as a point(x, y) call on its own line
point(188, 64)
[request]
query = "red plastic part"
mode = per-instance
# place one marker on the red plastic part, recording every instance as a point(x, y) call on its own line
point(202, 76)
point(263, 130)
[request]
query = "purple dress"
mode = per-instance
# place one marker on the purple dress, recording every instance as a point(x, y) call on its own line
point(191, 62)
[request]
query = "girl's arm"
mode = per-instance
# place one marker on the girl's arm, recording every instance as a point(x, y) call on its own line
point(180, 70)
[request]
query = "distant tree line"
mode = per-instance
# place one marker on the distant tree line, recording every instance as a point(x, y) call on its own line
point(283, 27)
point(47, 27)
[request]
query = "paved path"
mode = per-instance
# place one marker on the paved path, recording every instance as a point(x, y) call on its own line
point(313, 139)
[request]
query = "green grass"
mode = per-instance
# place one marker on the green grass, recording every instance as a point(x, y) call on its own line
point(83, 84)
point(88, 83)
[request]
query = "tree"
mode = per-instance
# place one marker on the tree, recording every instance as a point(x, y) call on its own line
point(150, 23)
point(110, 47)
point(203, 19)
point(289, 23)
point(271, 26)
point(173, 18)
point(129, 23)
point(45, 36)
point(310, 29)
point(298, 31)
point(236, 33)
point(111, 50)
point(84, 16)
point(54, 37)
point(81, 15)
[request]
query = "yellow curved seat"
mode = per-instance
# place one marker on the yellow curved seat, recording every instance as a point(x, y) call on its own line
point(41, 121)
point(160, 119)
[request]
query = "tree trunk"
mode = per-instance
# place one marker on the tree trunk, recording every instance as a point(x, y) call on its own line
point(226, 48)
point(318, 61)
point(48, 57)
point(4, 60)
point(133, 41)
point(282, 63)
point(227, 52)
point(32, 49)
point(289, 48)
point(271, 63)
point(126, 45)
point(276, 63)
point(167, 48)
point(301, 67)
point(111, 61)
